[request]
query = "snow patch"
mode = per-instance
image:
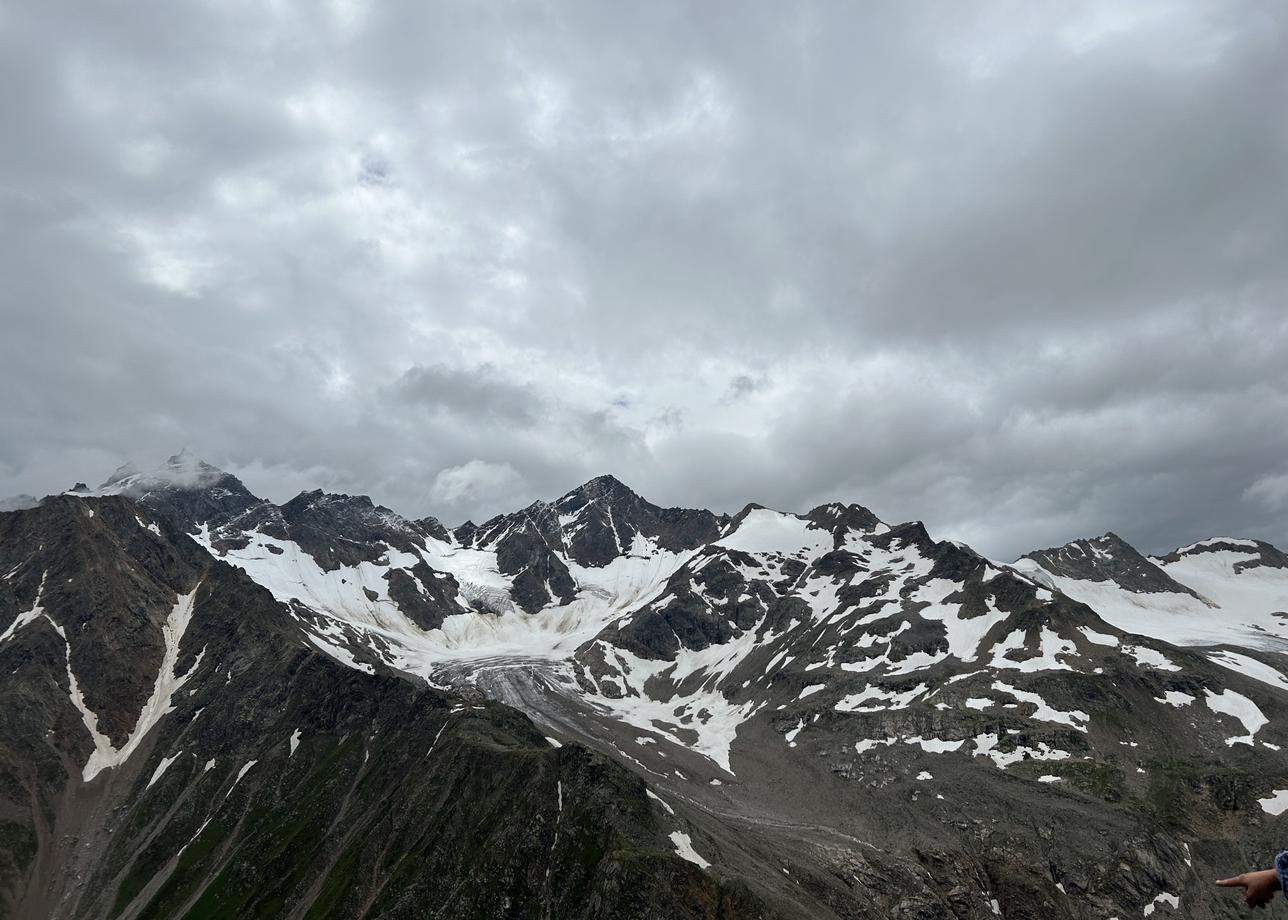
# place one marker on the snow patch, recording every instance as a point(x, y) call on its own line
point(1150, 658)
point(168, 682)
point(1170, 899)
point(25, 617)
point(1045, 713)
point(986, 746)
point(1276, 803)
point(764, 532)
point(1250, 667)
point(161, 768)
point(1234, 704)
point(684, 848)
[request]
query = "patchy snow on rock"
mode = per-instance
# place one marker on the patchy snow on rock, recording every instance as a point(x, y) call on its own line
point(791, 734)
point(683, 704)
point(294, 741)
point(986, 746)
point(26, 616)
point(657, 798)
point(1045, 713)
point(161, 768)
point(1175, 698)
point(1051, 645)
point(964, 633)
point(1098, 638)
point(1240, 707)
point(764, 532)
point(885, 700)
point(1150, 658)
point(1276, 803)
point(1169, 899)
point(168, 683)
point(357, 594)
point(241, 773)
point(339, 653)
point(1250, 667)
point(684, 848)
point(929, 745)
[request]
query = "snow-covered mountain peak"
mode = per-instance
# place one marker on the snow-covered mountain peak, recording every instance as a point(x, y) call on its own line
point(183, 489)
point(124, 471)
point(1216, 591)
point(183, 471)
point(1239, 554)
point(743, 664)
point(1108, 558)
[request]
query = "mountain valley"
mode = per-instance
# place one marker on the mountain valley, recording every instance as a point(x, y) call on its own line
point(597, 707)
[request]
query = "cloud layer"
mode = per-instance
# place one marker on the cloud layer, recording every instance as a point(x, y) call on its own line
point(1014, 269)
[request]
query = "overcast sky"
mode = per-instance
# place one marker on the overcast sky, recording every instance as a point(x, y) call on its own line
point(1019, 270)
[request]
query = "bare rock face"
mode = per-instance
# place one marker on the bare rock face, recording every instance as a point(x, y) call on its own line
point(591, 526)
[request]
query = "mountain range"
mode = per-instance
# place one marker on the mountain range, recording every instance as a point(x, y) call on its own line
point(218, 706)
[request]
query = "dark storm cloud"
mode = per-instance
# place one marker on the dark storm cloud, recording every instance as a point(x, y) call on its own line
point(1015, 269)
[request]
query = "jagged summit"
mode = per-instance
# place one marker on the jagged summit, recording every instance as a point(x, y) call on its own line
point(181, 471)
point(1107, 558)
point(320, 497)
point(184, 489)
point(825, 674)
point(604, 486)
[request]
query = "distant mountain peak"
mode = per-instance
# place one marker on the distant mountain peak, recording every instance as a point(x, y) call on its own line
point(603, 486)
point(124, 471)
point(18, 502)
point(1254, 553)
point(183, 471)
point(838, 516)
point(1107, 558)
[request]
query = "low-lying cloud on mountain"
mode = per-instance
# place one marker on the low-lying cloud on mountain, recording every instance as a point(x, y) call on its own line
point(1016, 270)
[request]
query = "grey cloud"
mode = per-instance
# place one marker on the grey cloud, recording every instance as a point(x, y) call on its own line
point(478, 393)
point(1013, 270)
point(744, 385)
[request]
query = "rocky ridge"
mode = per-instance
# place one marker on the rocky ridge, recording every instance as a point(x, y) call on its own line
point(904, 717)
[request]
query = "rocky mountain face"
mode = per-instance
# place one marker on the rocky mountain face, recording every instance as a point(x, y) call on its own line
point(588, 528)
point(172, 745)
point(218, 706)
point(1108, 559)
